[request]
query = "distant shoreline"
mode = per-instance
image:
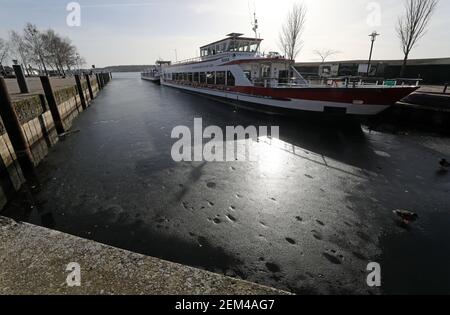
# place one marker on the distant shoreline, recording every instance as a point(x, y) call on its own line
point(129, 68)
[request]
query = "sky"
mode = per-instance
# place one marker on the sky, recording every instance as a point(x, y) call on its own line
point(123, 32)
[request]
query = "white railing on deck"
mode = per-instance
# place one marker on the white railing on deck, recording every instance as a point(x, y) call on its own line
point(188, 61)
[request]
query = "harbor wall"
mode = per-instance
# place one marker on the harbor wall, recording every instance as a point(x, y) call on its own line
point(39, 130)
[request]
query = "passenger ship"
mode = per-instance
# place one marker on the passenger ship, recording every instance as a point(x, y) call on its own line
point(153, 74)
point(232, 69)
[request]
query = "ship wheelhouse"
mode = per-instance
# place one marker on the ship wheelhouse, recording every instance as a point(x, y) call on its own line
point(234, 43)
point(232, 61)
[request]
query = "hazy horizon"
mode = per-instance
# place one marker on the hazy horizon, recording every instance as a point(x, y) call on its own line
point(114, 32)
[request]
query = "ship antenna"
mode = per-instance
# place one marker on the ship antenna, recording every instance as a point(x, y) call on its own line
point(255, 25)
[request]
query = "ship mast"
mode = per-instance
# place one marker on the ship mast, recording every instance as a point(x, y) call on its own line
point(255, 27)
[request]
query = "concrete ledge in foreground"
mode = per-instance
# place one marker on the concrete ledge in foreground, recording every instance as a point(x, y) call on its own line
point(33, 260)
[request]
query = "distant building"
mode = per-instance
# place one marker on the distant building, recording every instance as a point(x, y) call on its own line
point(432, 71)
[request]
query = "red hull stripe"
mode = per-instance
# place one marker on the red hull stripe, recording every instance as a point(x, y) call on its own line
point(242, 61)
point(365, 96)
point(368, 96)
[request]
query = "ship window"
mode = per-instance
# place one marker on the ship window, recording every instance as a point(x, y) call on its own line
point(220, 78)
point(219, 48)
point(283, 76)
point(248, 74)
point(230, 79)
point(244, 46)
point(210, 77)
point(202, 77)
point(184, 76)
point(233, 46)
point(190, 77)
point(265, 71)
point(196, 77)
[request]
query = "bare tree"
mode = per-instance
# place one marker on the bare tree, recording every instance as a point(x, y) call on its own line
point(413, 25)
point(81, 62)
point(326, 53)
point(35, 45)
point(4, 50)
point(18, 49)
point(290, 36)
point(55, 50)
point(44, 49)
point(66, 53)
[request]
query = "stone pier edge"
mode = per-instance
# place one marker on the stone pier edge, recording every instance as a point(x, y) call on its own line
point(33, 260)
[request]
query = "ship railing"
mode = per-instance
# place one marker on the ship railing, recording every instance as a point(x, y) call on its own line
point(199, 59)
point(279, 83)
point(187, 61)
point(220, 55)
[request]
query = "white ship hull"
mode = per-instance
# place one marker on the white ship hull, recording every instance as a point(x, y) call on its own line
point(233, 70)
point(293, 104)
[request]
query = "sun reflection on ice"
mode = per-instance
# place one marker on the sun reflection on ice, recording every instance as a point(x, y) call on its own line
point(271, 156)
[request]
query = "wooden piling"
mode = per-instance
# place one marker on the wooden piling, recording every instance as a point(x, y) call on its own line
point(53, 106)
point(99, 81)
point(15, 133)
point(21, 80)
point(80, 91)
point(88, 80)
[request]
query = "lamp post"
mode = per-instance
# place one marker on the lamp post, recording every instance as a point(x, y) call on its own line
point(373, 37)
